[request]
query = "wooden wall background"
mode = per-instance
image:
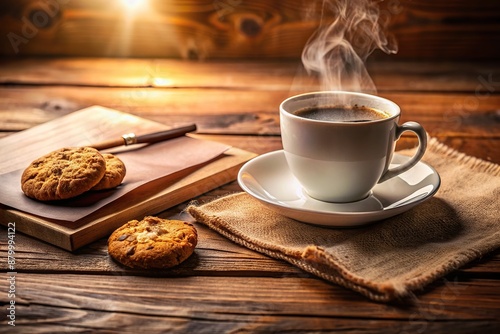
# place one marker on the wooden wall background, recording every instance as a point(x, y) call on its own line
point(425, 29)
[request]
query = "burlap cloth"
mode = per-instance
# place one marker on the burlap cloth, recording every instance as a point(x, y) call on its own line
point(390, 259)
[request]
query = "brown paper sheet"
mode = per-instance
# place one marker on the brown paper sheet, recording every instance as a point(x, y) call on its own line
point(144, 165)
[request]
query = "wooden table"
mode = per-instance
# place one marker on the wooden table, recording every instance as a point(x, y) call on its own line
point(224, 287)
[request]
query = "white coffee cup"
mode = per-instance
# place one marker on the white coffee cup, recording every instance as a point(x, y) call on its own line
point(341, 161)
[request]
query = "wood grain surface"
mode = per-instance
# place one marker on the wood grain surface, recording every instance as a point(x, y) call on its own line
point(224, 287)
point(208, 29)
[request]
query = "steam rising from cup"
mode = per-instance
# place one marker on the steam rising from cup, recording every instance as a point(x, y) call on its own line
point(337, 51)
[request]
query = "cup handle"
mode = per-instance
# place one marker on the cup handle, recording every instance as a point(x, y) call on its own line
point(422, 145)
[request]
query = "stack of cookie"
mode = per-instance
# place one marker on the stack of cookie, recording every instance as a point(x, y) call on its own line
point(70, 172)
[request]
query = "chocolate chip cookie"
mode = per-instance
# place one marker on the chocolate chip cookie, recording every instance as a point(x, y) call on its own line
point(115, 172)
point(64, 173)
point(153, 243)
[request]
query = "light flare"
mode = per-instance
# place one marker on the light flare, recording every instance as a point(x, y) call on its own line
point(134, 5)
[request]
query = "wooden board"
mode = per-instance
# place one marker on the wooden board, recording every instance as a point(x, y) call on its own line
point(203, 29)
point(71, 236)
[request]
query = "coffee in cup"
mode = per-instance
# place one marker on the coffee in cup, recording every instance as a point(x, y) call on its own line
point(342, 113)
point(339, 145)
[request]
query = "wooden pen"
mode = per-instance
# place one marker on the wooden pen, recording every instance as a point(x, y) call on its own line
point(132, 138)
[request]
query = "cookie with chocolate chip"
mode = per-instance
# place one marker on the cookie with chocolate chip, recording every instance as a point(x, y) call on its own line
point(115, 172)
point(153, 243)
point(63, 174)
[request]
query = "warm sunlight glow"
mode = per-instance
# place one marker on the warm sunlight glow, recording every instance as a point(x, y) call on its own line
point(133, 5)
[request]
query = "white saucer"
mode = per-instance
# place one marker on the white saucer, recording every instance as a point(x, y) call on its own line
point(268, 179)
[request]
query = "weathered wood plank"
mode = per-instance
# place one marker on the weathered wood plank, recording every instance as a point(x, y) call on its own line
point(236, 112)
point(235, 29)
point(58, 320)
point(248, 304)
point(263, 75)
point(214, 256)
